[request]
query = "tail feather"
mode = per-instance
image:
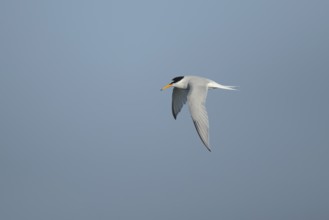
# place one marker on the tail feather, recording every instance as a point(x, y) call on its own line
point(227, 87)
point(215, 85)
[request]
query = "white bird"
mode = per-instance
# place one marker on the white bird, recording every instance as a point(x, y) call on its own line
point(193, 89)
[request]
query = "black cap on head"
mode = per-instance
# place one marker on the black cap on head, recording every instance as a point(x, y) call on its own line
point(177, 79)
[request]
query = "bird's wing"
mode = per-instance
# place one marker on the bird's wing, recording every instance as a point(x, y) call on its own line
point(196, 102)
point(179, 97)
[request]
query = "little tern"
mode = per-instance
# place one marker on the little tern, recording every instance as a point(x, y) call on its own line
point(193, 89)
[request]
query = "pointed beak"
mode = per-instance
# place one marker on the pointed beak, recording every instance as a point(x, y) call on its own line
point(166, 86)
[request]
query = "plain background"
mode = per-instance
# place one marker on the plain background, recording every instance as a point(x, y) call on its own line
point(85, 132)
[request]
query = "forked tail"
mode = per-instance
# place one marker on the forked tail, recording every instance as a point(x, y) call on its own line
point(219, 86)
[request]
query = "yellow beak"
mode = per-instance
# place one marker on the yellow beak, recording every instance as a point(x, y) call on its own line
point(166, 86)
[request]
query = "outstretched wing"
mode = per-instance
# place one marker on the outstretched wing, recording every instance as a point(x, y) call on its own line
point(196, 101)
point(179, 97)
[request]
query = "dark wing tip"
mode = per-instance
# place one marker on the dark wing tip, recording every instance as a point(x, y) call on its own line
point(173, 112)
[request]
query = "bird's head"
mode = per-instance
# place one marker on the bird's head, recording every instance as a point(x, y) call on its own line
point(175, 82)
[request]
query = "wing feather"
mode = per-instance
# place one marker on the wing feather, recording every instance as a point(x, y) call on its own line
point(179, 98)
point(196, 101)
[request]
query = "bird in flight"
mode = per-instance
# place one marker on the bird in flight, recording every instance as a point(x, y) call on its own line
point(193, 89)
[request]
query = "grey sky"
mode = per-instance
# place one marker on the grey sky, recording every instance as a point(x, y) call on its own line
point(87, 134)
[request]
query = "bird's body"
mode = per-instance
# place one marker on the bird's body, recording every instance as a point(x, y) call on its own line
point(194, 89)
